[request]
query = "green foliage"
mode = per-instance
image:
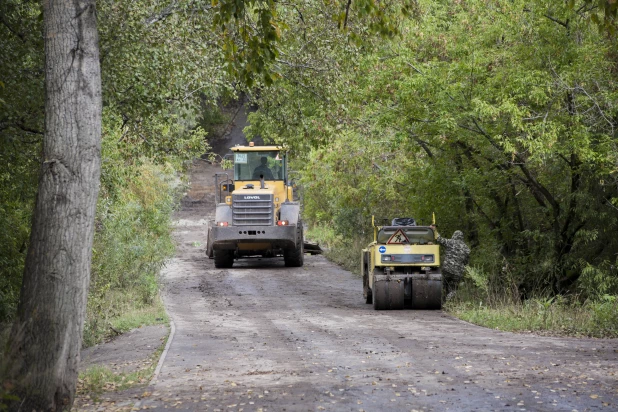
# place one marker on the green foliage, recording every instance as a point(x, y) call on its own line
point(14, 232)
point(342, 250)
point(133, 237)
point(252, 30)
point(21, 125)
point(159, 64)
point(498, 116)
point(131, 245)
point(604, 13)
point(158, 59)
point(213, 120)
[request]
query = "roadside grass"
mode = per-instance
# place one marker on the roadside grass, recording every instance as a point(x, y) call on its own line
point(480, 300)
point(556, 316)
point(145, 316)
point(96, 380)
point(122, 313)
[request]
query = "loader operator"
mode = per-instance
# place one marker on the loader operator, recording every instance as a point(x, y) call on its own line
point(456, 257)
point(263, 170)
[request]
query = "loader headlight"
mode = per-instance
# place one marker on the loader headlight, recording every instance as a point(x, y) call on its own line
point(282, 223)
point(222, 224)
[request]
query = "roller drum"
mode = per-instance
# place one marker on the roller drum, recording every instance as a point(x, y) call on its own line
point(388, 292)
point(426, 291)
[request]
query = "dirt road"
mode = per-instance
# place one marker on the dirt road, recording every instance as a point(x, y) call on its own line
point(265, 337)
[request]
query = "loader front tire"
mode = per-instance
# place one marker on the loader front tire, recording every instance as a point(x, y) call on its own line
point(294, 258)
point(223, 258)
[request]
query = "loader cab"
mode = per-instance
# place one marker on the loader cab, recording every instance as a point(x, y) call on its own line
point(252, 165)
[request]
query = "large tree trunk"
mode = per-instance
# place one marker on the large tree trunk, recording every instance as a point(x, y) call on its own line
point(47, 335)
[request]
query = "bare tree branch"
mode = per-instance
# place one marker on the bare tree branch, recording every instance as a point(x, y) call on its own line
point(21, 36)
point(347, 13)
point(165, 13)
point(565, 24)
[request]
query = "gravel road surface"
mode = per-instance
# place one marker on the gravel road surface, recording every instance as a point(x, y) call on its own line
point(263, 337)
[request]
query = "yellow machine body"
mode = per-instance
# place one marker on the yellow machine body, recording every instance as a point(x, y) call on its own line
point(256, 214)
point(401, 268)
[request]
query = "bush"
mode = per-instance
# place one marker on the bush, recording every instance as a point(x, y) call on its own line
point(132, 242)
point(337, 248)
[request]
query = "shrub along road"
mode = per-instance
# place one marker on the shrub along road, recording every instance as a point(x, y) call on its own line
point(261, 336)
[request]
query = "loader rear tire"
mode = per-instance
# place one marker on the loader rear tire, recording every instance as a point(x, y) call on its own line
point(223, 258)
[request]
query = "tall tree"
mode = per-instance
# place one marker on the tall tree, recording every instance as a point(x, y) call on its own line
point(46, 336)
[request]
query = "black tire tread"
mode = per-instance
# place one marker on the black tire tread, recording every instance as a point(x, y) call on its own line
point(366, 290)
point(294, 258)
point(223, 258)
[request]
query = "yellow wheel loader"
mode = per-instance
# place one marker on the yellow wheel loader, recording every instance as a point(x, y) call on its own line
point(401, 267)
point(256, 214)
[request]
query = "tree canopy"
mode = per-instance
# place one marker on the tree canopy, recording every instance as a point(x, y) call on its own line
point(500, 116)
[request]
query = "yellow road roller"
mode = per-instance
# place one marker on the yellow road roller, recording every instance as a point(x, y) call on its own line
point(401, 267)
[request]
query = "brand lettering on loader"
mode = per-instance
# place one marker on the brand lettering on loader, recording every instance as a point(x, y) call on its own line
point(252, 198)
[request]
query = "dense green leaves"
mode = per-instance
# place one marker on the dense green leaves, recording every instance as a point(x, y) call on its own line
point(500, 116)
point(604, 13)
point(252, 29)
point(21, 132)
point(160, 63)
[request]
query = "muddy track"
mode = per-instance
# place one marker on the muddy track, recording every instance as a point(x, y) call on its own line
point(261, 336)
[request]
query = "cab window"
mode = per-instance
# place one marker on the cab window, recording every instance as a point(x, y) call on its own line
point(252, 165)
point(415, 234)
